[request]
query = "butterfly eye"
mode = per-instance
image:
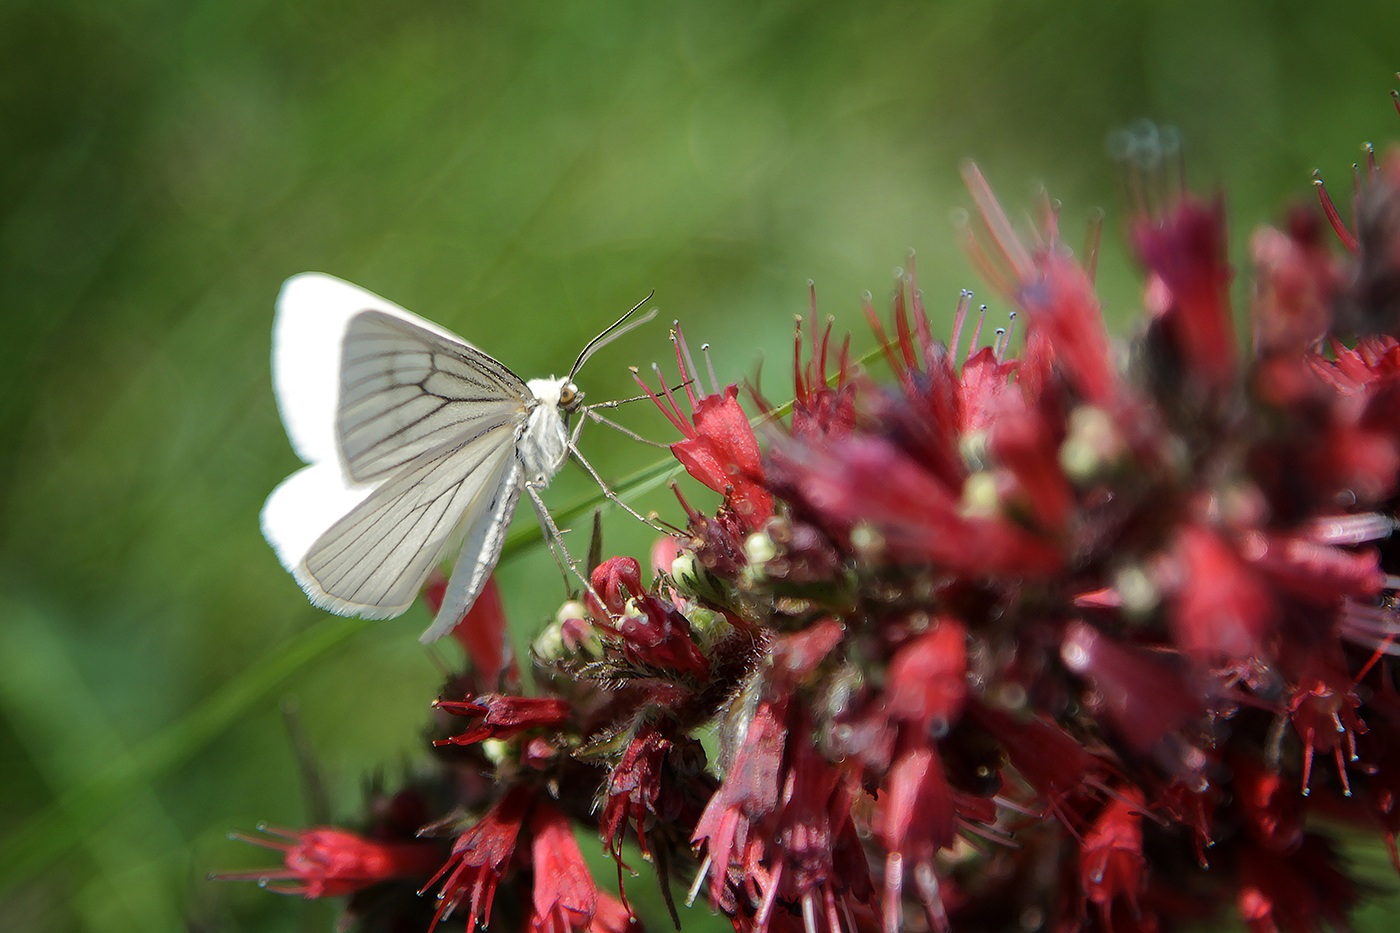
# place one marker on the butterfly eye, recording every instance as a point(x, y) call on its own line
point(569, 396)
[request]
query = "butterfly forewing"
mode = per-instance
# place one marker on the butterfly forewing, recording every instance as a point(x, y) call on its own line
point(375, 558)
point(406, 390)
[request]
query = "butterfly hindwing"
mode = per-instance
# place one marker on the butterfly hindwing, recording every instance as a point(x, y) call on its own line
point(481, 548)
point(373, 561)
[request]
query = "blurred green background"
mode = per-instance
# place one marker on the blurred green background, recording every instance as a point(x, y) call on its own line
point(520, 173)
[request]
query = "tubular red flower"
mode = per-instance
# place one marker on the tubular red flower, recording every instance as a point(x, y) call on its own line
point(818, 408)
point(916, 818)
point(1051, 761)
point(633, 791)
point(1027, 446)
point(617, 580)
point(719, 447)
point(869, 481)
point(1223, 609)
point(1111, 863)
point(1185, 252)
point(1064, 317)
point(565, 897)
point(928, 679)
point(1303, 891)
point(653, 632)
point(1141, 694)
point(1323, 711)
point(479, 860)
point(749, 793)
point(779, 828)
point(325, 861)
point(503, 717)
point(1296, 282)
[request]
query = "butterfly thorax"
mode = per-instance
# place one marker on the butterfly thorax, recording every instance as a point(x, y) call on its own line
point(544, 441)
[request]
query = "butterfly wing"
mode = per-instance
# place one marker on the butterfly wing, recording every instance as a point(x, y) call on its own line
point(404, 390)
point(481, 549)
point(410, 433)
point(371, 559)
point(314, 313)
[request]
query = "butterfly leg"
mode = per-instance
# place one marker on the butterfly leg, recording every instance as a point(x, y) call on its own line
point(614, 497)
point(555, 537)
point(592, 412)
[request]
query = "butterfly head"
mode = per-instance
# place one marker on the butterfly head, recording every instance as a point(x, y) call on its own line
point(570, 397)
point(560, 394)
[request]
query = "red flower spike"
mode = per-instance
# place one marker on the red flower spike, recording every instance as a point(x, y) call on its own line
point(969, 629)
point(566, 897)
point(502, 717)
point(328, 862)
point(1111, 864)
point(1185, 252)
point(480, 857)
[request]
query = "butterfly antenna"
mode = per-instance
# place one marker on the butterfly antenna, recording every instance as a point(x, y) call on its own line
point(613, 331)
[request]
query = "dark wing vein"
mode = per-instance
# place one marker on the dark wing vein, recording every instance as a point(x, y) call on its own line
point(405, 391)
point(379, 554)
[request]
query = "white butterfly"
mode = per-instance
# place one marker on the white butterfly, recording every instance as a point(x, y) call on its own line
point(415, 439)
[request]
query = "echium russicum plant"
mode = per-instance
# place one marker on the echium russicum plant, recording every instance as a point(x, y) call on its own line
point(1059, 637)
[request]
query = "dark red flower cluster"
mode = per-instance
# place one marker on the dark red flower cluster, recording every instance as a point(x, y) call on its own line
point(1068, 638)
